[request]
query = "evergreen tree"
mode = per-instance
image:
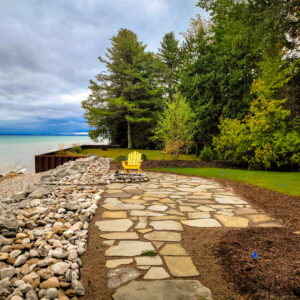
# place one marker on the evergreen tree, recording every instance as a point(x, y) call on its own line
point(170, 56)
point(124, 100)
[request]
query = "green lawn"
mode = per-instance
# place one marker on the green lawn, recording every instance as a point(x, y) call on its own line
point(284, 182)
point(151, 154)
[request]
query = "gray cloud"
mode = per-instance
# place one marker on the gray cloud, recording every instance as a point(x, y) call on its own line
point(49, 50)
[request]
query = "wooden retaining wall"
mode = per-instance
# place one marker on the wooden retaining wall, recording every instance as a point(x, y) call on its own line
point(50, 160)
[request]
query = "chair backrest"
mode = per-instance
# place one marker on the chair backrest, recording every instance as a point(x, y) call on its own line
point(134, 158)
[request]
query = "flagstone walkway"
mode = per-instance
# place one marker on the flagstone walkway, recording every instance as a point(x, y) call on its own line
point(148, 218)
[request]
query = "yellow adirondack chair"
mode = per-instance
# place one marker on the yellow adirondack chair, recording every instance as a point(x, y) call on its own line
point(134, 162)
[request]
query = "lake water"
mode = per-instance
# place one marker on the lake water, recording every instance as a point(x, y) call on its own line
point(20, 150)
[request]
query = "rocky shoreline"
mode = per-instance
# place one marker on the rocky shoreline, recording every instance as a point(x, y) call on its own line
point(44, 231)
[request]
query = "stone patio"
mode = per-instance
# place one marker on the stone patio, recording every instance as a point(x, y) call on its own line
point(149, 216)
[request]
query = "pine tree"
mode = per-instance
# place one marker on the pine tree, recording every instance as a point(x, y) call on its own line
point(170, 56)
point(127, 94)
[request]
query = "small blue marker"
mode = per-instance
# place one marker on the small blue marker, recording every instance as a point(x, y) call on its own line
point(170, 169)
point(254, 255)
point(283, 184)
point(223, 172)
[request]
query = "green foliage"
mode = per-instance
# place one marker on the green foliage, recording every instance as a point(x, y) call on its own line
point(206, 154)
point(175, 126)
point(151, 253)
point(170, 55)
point(120, 158)
point(76, 149)
point(144, 156)
point(262, 139)
point(127, 94)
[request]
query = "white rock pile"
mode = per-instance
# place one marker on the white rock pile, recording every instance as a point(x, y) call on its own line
point(46, 233)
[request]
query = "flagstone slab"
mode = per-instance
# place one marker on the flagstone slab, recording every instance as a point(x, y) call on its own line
point(156, 195)
point(181, 266)
point(148, 261)
point(156, 273)
point(163, 236)
point(167, 218)
point(134, 191)
point(108, 243)
point(205, 208)
point(119, 276)
point(186, 208)
point(167, 201)
point(225, 213)
point(172, 211)
point(172, 249)
point(129, 248)
point(114, 263)
point(143, 213)
point(142, 224)
point(114, 215)
point(166, 225)
point(163, 290)
point(134, 201)
point(198, 215)
point(122, 206)
point(202, 223)
point(118, 195)
point(221, 206)
point(113, 191)
point(232, 221)
point(230, 200)
point(114, 225)
point(258, 218)
point(115, 186)
point(120, 236)
point(158, 207)
point(146, 198)
point(245, 211)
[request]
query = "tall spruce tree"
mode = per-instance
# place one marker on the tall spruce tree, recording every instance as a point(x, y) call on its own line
point(169, 53)
point(124, 100)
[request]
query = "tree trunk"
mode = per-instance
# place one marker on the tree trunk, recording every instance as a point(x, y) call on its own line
point(129, 135)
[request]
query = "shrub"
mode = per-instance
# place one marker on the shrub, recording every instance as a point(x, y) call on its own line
point(120, 158)
point(144, 157)
point(76, 149)
point(206, 154)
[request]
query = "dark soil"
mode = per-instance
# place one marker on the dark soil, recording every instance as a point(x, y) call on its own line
point(275, 274)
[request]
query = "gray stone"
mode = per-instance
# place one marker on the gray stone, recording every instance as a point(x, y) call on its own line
point(120, 276)
point(60, 268)
point(6, 271)
point(59, 253)
point(78, 287)
point(163, 290)
point(21, 260)
point(51, 293)
point(31, 295)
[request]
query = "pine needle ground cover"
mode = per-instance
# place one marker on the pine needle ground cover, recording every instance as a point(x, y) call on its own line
point(284, 182)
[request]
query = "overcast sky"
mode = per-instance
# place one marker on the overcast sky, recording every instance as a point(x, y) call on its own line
point(49, 50)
